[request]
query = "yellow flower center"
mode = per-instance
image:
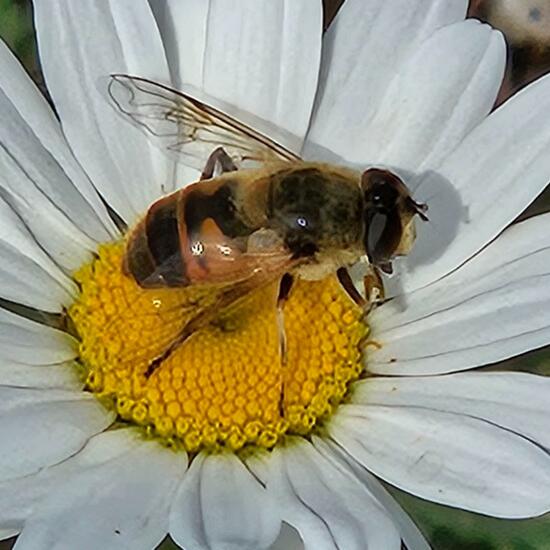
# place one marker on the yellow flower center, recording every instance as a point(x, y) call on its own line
point(226, 385)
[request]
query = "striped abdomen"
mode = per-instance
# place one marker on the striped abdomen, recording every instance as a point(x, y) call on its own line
point(153, 251)
point(188, 237)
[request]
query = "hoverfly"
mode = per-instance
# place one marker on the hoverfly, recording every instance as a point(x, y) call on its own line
point(240, 229)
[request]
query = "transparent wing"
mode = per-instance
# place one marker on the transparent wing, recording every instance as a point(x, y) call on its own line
point(161, 333)
point(188, 127)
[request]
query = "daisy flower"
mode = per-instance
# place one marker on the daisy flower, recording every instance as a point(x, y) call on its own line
point(95, 454)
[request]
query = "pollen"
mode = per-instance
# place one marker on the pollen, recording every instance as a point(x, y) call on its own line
point(229, 384)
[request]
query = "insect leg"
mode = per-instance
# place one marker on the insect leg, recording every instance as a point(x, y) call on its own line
point(218, 161)
point(198, 322)
point(229, 296)
point(285, 287)
point(284, 290)
point(157, 362)
point(374, 286)
point(347, 284)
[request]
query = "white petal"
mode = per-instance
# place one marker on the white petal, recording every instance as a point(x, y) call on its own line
point(446, 88)
point(81, 44)
point(320, 496)
point(18, 499)
point(24, 281)
point(119, 503)
point(36, 356)
point(65, 376)
point(474, 102)
point(19, 496)
point(30, 342)
point(495, 306)
point(448, 458)
point(42, 427)
point(482, 186)
point(261, 57)
point(410, 533)
point(23, 245)
point(8, 533)
point(184, 175)
point(23, 184)
point(221, 505)
point(366, 45)
point(514, 401)
point(39, 173)
point(23, 99)
point(182, 25)
point(58, 237)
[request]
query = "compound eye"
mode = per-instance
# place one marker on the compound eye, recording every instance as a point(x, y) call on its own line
point(382, 189)
point(383, 195)
point(383, 234)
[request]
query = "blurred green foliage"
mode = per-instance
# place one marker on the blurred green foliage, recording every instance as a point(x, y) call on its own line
point(446, 528)
point(453, 529)
point(16, 29)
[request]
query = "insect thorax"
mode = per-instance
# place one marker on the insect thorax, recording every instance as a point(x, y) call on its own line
point(315, 210)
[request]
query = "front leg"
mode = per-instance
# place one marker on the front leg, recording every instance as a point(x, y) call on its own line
point(374, 286)
point(346, 281)
point(285, 286)
point(218, 163)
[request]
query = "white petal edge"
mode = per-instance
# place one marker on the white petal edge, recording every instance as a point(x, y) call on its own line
point(8, 533)
point(27, 274)
point(26, 341)
point(64, 376)
point(448, 458)
point(515, 401)
point(120, 37)
point(108, 501)
point(25, 282)
point(364, 48)
point(27, 171)
point(23, 182)
point(19, 496)
point(490, 178)
point(410, 533)
point(494, 307)
point(53, 181)
point(43, 427)
point(446, 88)
point(262, 58)
point(320, 496)
point(220, 504)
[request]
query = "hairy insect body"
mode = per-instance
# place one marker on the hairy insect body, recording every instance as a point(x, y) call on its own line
point(316, 207)
point(317, 211)
point(249, 227)
point(199, 234)
point(309, 218)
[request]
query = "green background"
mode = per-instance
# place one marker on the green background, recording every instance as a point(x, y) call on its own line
point(446, 528)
